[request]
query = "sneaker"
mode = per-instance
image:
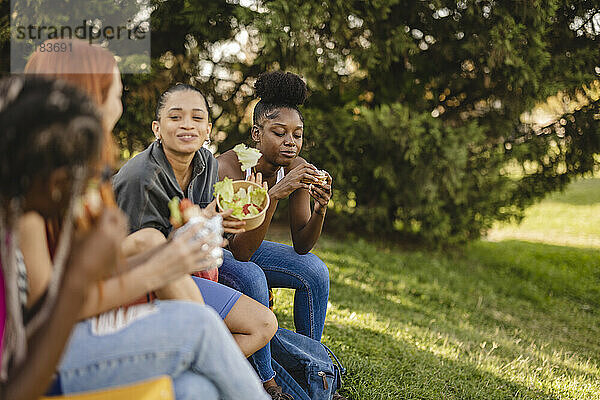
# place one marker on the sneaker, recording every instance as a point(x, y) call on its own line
point(337, 396)
point(276, 393)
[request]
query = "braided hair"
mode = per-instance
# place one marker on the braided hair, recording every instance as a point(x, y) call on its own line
point(278, 90)
point(66, 132)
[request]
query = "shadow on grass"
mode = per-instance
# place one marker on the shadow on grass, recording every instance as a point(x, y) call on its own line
point(469, 300)
point(538, 302)
point(466, 328)
point(404, 371)
point(533, 272)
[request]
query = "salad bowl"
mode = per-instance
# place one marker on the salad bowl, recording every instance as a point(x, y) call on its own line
point(244, 205)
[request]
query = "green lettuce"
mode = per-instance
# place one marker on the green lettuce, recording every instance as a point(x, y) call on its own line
point(257, 196)
point(244, 203)
point(247, 156)
point(238, 209)
point(224, 189)
point(252, 211)
point(174, 209)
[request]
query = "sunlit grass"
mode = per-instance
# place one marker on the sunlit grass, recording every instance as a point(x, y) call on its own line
point(571, 218)
point(496, 320)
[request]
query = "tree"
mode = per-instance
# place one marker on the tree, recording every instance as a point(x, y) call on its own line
point(415, 108)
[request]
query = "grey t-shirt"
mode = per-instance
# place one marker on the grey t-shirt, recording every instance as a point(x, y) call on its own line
point(146, 183)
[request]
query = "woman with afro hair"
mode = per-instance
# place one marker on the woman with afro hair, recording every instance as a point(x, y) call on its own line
point(253, 264)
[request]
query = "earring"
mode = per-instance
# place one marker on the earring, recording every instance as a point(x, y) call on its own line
point(56, 195)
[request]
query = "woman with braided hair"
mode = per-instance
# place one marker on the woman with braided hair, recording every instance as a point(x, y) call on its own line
point(50, 154)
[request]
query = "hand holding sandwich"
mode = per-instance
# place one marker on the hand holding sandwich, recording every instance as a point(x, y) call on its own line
point(300, 177)
point(306, 176)
point(208, 225)
point(321, 192)
point(100, 227)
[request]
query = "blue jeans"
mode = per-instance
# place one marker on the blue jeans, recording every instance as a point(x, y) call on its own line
point(203, 362)
point(278, 265)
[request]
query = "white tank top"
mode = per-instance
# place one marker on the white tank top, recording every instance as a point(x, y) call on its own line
point(280, 174)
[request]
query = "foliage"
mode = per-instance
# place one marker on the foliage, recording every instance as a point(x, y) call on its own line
point(4, 37)
point(415, 108)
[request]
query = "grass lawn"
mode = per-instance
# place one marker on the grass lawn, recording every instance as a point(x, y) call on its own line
point(504, 319)
point(571, 218)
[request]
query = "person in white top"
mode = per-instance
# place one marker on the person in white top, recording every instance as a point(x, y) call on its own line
point(254, 265)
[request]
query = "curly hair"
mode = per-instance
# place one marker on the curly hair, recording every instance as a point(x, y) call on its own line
point(66, 132)
point(278, 90)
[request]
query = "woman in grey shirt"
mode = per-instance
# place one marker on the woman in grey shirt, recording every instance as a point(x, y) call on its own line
point(176, 165)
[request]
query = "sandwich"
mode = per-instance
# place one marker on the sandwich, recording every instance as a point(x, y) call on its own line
point(89, 206)
point(182, 211)
point(321, 177)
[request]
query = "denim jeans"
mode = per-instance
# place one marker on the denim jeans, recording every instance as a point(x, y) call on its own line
point(203, 361)
point(278, 265)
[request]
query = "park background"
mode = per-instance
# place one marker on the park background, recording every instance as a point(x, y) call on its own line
point(444, 124)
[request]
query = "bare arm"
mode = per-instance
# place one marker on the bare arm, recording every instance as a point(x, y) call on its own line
point(243, 245)
point(34, 246)
point(140, 275)
point(150, 270)
point(45, 347)
point(305, 225)
point(139, 245)
point(116, 291)
point(137, 259)
point(92, 255)
point(168, 263)
point(125, 288)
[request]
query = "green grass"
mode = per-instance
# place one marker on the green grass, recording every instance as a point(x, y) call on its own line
point(571, 218)
point(496, 320)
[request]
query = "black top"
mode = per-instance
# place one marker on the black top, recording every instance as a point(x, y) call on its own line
point(146, 183)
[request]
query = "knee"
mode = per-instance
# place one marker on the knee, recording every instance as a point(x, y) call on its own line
point(262, 327)
point(316, 271)
point(142, 240)
point(268, 325)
